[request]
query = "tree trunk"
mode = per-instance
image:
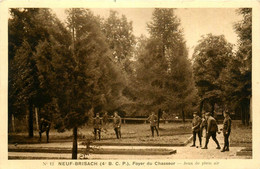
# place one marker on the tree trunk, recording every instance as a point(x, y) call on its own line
point(75, 143)
point(36, 118)
point(242, 114)
point(201, 107)
point(247, 108)
point(183, 115)
point(30, 121)
point(250, 111)
point(159, 116)
point(13, 124)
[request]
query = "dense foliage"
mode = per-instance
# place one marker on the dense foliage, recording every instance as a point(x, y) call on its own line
point(89, 64)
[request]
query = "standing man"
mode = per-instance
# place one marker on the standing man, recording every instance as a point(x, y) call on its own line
point(45, 126)
point(97, 122)
point(203, 124)
point(226, 131)
point(196, 121)
point(153, 121)
point(212, 129)
point(117, 125)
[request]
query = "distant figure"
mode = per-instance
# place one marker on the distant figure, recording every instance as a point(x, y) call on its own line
point(153, 122)
point(164, 116)
point(105, 121)
point(212, 129)
point(97, 122)
point(203, 124)
point(196, 121)
point(226, 131)
point(117, 125)
point(45, 126)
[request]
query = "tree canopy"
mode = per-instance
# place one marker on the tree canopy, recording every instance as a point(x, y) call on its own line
point(164, 71)
point(211, 56)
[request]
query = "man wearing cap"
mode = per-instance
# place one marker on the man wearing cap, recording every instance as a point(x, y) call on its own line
point(212, 129)
point(226, 131)
point(196, 121)
point(97, 121)
point(117, 125)
point(153, 122)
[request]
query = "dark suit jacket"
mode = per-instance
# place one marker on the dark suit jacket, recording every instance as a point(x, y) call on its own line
point(117, 122)
point(97, 122)
point(227, 124)
point(45, 125)
point(153, 120)
point(196, 121)
point(212, 125)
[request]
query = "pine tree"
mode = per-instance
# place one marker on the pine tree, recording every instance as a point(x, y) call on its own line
point(164, 71)
point(238, 76)
point(78, 67)
point(26, 29)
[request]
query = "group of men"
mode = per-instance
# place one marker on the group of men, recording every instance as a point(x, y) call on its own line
point(209, 123)
point(98, 122)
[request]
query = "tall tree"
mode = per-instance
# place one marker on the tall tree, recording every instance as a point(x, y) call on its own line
point(120, 39)
point(211, 56)
point(164, 69)
point(238, 76)
point(119, 36)
point(26, 29)
point(77, 64)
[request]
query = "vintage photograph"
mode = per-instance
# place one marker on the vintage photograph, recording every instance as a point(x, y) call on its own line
point(129, 83)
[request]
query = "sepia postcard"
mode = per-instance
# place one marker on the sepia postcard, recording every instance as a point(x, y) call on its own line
point(129, 84)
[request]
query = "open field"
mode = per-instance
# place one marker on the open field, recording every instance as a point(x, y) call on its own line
point(136, 139)
point(170, 133)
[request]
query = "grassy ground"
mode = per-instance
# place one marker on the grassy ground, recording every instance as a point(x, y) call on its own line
point(131, 133)
point(241, 135)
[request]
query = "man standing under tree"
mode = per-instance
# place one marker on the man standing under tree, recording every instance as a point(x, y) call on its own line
point(97, 122)
point(226, 131)
point(117, 125)
point(212, 129)
point(153, 121)
point(196, 121)
point(45, 126)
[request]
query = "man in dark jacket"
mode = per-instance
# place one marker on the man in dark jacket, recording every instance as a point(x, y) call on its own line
point(117, 125)
point(153, 122)
point(97, 123)
point(45, 126)
point(196, 121)
point(212, 129)
point(226, 131)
